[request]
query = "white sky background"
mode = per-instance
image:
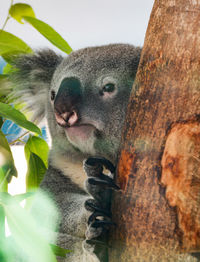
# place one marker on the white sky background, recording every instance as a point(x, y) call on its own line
point(81, 23)
point(85, 22)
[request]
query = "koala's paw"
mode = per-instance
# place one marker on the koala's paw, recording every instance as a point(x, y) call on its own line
point(100, 187)
point(95, 251)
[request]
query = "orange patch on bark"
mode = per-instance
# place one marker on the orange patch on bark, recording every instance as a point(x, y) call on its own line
point(124, 168)
point(181, 177)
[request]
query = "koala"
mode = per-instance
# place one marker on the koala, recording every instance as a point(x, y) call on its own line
point(84, 98)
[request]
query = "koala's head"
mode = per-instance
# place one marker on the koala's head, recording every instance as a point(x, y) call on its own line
point(84, 95)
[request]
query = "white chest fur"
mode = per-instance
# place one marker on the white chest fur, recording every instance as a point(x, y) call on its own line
point(73, 170)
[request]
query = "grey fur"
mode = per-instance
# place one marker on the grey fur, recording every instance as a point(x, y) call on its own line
point(36, 76)
point(32, 80)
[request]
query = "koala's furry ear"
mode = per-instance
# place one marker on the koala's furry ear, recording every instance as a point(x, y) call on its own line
point(31, 80)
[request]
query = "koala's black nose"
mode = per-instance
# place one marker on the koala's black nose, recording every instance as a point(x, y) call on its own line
point(66, 102)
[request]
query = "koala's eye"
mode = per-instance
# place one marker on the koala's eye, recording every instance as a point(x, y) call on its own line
point(53, 95)
point(109, 88)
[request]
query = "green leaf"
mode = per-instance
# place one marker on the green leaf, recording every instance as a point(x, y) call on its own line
point(7, 166)
point(1, 121)
point(25, 231)
point(43, 203)
point(4, 143)
point(21, 197)
point(35, 172)
point(2, 234)
point(7, 249)
point(3, 77)
point(7, 69)
point(2, 223)
point(9, 43)
point(37, 146)
point(48, 32)
point(59, 251)
point(4, 198)
point(36, 153)
point(10, 56)
point(3, 181)
point(16, 116)
point(19, 10)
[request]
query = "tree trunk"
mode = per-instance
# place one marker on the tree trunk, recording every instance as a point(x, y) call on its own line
point(157, 211)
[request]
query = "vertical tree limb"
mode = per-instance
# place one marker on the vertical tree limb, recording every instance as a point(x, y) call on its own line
point(157, 211)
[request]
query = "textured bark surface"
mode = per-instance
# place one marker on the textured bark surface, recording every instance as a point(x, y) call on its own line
point(157, 211)
point(181, 177)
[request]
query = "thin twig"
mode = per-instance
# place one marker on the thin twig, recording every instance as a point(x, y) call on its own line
point(4, 25)
point(5, 177)
point(8, 16)
point(18, 139)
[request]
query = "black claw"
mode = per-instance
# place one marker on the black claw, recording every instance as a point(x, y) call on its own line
point(94, 208)
point(98, 242)
point(92, 161)
point(93, 217)
point(108, 183)
point(102, 223)
point(90, 205)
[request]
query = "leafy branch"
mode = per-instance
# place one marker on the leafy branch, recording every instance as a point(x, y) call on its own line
point(18, 139)
point(10, 44)
point(25, 230)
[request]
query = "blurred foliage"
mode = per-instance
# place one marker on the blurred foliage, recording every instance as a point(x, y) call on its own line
point(28, 231)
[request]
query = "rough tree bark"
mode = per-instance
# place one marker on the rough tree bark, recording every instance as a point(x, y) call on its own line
point(157, 211)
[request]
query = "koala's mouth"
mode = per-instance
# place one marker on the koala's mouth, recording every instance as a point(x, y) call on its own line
point(80, 132)
point(77, 130)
